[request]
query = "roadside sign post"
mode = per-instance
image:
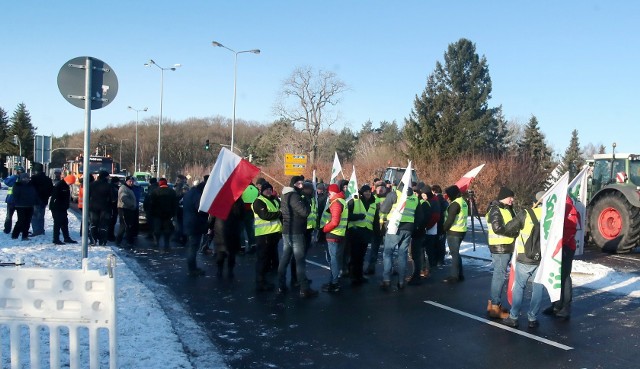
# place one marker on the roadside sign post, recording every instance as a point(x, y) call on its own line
point(294, 164)
point(87, 83)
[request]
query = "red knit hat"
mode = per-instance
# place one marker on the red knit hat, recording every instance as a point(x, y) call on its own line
point(334, 188)
point(162, 182)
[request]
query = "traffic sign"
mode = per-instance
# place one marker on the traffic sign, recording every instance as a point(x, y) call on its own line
point(295, 158)
point(72, 81)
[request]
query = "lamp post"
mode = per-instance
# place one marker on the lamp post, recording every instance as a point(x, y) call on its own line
point(122, 139)
point(135, 155)
point(149, 64)
point(235, 78)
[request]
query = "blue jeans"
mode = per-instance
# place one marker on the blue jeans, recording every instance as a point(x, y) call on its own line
point(524, 272)
point(293, 244)
point(37, 221)
point(454, 242)
point(401, 240)
point(500, 264)
point(335, 252)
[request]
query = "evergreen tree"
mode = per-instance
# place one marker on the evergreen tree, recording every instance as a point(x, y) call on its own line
point(452, 115)
point(390, 133)
point(21, 126)
point(345, 144)
point(572, 161)
point(532, 143)
point(5, 144)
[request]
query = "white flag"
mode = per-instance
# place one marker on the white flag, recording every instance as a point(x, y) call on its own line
point(396, 214)
point(551, 229)
point(335, 170)
point(352, 188)
point(578, 192)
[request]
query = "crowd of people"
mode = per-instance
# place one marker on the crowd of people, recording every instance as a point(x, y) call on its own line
point(420, 221)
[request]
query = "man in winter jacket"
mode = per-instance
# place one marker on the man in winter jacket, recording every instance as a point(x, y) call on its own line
point(59, 204)
point(268, 232)
point(562, 307)
point(195, 226)
point(525, 268)
point(295, 209)
point(43, 186)
point(24, 198)
point(163, 203)
point(363, 224)
point(455, 225)
point(441, 245)
point(423, 214)
point(335, 230)
point(431, 238)
point(127, 205)
point(380, 194)
point(100, 199)
point(501, 245)
point(10, 182)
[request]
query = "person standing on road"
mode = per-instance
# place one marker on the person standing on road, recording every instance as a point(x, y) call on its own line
point(455, 225)
point(43, 186)
point(100, 198)
point(423, 214)
point(295, 210)
point(431, 238)
point(24, 198)
point(562, 307)
point(195, 226)
point(501, 246)
point(441, 245)
point(163, 202)
point(249, 195)
point(378, 235)
point(526, 268)
point(181, 187)
point(335, 230)
point(146, 204)
point(268, 231)
point(127, 205)
point(10, 182)
point(115, 186)
point(58, 205)
point(363, 223)
point(226, 238)
point(401, 239)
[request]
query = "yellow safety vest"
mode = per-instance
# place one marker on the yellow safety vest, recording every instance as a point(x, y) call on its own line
point(341, 229)
point(460, 223)
point(263, 227)
point(409, 212)
point(369, 214)
point(497, 239)
point(525, 233)
point(313, 216)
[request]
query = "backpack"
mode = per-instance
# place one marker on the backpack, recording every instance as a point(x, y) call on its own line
point(532, 246)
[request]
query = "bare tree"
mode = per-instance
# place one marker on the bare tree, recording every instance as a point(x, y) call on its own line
point(307, 98)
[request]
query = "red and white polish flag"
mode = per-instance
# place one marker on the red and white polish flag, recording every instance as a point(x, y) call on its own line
point(229, 177)
point(464, 182)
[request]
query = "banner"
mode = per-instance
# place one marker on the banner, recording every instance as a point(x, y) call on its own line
point(396, 214)
point(352, 188)
point(335, 170)
point(578, 192)
point(551, 229)
point(464, 182)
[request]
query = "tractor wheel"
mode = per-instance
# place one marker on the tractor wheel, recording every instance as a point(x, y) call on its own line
point(615, 223)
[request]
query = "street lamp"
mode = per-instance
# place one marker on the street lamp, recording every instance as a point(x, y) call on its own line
point(149, 64)
point(235, 78)
point(122, 139)
point(135, 156)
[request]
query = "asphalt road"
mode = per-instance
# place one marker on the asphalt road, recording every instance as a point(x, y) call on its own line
point(434, 325)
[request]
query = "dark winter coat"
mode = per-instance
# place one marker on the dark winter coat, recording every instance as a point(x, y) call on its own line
point(194, 221)
point(43, 186)
point(226, 233)
point(100, 195)
point(295, 210)
point(24, 195)
point(60, 197)
point(496, 221)
point(260, 208)
point(163, 203)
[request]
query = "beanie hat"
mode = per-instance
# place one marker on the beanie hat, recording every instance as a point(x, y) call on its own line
point(103, 174)
point(265, 186)
point(365, 188)
point(261, 181)
point(423, 187)
point(295, 179)
point(321, 186)
point(162, 182)
point(504, 193)
point(342, 183)
point(307, 184)
point(334, 188)
point(70, 179)
point(453, 192)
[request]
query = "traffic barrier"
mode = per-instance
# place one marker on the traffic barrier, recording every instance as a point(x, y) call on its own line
point(69, 314)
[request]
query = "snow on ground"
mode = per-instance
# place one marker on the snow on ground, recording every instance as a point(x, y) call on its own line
point(147, 338)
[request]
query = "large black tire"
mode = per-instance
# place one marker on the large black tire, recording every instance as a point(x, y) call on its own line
point(614, 223)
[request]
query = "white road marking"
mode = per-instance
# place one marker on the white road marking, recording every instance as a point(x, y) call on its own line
point(502, 326)
point(318, 264)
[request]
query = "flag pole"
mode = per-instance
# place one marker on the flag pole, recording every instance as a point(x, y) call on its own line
point(275, 180)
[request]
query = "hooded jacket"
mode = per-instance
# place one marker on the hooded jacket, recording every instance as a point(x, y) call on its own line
point(295, 210)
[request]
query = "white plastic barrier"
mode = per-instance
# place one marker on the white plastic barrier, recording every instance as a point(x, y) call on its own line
point(75, 306)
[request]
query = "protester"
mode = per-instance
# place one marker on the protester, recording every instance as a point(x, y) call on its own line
point(249, 195)
point(195, 226)
point(181, 187)
point(378, 235)
point(422, 216)
point(456, 227)
point(431, 239)
point(115, 186)
point(441, 245)
point(10, 182)
point(58, 205)
point(100, 199)
point(363, 223)
point(127, 205)
point(43, 186)
point(227, 238)
point(153, 185)
point(335, 230)
point(501, 246)
point(268, 232)
point(163, 203)
point(24, 199)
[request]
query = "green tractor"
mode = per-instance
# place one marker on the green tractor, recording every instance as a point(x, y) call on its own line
point(613, 213)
